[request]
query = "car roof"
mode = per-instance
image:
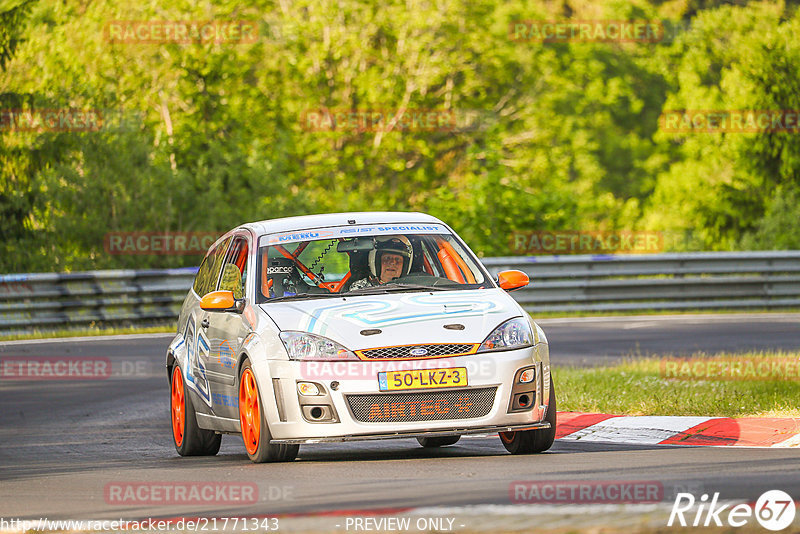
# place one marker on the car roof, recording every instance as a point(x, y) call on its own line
point(307, 222)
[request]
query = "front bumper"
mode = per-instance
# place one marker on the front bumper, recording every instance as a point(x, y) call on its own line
point(429, 434)
point(289, 424)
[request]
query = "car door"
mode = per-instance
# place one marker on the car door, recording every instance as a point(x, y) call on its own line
point(198, 346)
point(227, 330)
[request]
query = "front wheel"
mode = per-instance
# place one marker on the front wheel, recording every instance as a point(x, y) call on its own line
point(534, 441)
point(255, 431)
point(439, 441)
point(189, 439)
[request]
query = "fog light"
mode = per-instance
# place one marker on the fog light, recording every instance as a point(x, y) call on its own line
point(309, 389)
point(527, 376)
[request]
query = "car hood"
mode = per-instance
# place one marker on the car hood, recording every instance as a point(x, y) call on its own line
point(402, 318)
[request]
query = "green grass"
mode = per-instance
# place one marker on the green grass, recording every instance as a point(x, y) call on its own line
point(89, 331)
point(636, 387)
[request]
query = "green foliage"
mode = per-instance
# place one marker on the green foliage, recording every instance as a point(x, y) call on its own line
point(205, 136)
point(774, 229)
point(721, 184)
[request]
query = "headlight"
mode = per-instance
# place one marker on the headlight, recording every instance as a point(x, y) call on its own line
point(304, 346)
point(513, 334)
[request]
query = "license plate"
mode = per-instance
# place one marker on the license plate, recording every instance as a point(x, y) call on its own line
point(422, 379)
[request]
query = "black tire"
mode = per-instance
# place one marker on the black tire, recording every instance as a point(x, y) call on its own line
point(194, 441)
point(439, 441)
point(264, 451)
point(534, 441)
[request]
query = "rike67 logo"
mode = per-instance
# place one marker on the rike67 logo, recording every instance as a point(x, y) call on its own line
point(774, 510)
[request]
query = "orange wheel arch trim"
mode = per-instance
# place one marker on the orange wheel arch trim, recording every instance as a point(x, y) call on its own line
point(249, 411)
point(178, 406)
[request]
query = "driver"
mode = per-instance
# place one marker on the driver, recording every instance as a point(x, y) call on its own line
point(390, 259)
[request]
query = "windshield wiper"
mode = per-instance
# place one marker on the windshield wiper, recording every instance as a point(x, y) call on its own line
point(390, 288)
point(302, 296)
point(421, 286)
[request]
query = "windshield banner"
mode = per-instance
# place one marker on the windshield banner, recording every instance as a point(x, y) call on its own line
point(351, 231)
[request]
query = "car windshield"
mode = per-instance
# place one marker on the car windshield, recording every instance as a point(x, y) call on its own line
point(365, 260)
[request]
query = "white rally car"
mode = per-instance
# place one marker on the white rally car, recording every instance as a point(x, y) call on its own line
point(354, 326)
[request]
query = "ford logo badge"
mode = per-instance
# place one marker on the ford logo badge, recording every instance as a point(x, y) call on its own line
point(418, 352)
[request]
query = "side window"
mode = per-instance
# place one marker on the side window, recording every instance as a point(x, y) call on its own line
point(429, 264)
point(202, 274)
point(444, 257)
point(207, 276)
point(468, 267)
point(234, 273)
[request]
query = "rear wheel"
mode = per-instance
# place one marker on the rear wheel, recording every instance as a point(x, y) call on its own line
point(255, 431)
point(189, 439)
point(534, 441)
point(439, 441)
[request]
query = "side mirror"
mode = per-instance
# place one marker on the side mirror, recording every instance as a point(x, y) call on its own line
point(221, 301)
point(511, 280)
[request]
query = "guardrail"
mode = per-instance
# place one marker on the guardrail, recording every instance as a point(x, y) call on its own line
point(709, 280)
point(703, 280)
point(48, 301)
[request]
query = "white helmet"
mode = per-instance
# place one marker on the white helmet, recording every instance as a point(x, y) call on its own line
point(395, 244)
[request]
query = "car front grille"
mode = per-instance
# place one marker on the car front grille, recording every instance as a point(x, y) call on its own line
point(427, 406)
point(431, 350)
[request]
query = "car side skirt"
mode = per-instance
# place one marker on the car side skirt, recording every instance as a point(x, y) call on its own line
point(218, 424)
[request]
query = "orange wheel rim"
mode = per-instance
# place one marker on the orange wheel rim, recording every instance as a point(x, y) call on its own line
point(507, 437)
point(249, 413)
point(178, 406)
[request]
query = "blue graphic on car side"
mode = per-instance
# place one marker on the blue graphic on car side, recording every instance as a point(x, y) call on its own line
point(225, 400)
point(194, 371)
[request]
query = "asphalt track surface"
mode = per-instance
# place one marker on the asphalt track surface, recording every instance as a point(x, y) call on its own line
point(63, 442)
point(599, 340)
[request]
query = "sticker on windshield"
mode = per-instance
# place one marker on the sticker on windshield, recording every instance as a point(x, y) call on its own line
point(352, 231)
